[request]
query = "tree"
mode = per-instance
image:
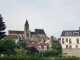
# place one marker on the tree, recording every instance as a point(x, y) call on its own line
point(32, 50)
point(55, 45)
point(2, 28)
point(7, 46)
point(21, 52)
point(22, 44)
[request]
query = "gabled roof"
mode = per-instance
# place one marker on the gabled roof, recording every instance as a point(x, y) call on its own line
point(39, 31)
point(26, 24)
point(16, 32)
point(36, 45)
point(11, 36)
point(63, 32)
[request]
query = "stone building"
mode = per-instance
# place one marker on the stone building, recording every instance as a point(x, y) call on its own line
point(70, 41)
point(39, 34)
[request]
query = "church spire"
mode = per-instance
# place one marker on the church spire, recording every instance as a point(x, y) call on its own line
point(26, 24)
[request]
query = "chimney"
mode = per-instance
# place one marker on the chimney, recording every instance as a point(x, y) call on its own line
point(79, 28)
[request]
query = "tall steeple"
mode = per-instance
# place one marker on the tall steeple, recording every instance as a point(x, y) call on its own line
point(26, 24)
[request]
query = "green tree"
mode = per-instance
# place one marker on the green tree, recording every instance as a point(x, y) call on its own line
point(21, 52)
point(55, 45)
point(22, 44)
point(2, 28)
point(7, 46)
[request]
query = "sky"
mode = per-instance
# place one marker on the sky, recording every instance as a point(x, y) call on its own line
point(53, 16)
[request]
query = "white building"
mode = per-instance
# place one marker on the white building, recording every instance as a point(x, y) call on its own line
point(70, 41)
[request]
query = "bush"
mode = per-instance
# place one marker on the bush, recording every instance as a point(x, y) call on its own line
point(51, 53)
point(66, 58)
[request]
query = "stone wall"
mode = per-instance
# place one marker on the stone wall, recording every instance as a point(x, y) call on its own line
point(71, 52)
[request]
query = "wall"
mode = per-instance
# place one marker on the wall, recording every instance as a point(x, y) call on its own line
point(71, 52)
point(73, 42)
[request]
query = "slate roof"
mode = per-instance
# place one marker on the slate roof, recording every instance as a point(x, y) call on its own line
point(11, 36)
point(39, 31)
point(26, 24)
point(32, 32)
point(63, 32)
point(16, 32)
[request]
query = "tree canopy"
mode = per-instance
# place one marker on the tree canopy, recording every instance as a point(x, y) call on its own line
point(2, 28)
point(7, 46)
point(56, 46)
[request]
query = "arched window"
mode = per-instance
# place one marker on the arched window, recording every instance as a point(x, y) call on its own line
point(45, 48)
point(40, 48)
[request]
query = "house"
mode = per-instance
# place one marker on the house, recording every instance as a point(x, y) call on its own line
point(40, 46)
point(70, 41)
point(13, 37)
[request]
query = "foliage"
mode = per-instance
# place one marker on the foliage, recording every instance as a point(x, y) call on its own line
point(21, 52)
point(56, 46)
point(27, 57)
point(2, 28)
point(51, 53)
point(7, 46)
point(32, 50)
point(30, 57)
point(66, 58)
point(22, 44)
point(36, 55)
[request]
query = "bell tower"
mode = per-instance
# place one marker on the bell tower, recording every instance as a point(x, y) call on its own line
point(26, 30)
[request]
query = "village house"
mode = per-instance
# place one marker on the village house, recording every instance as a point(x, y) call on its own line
point(40, 46)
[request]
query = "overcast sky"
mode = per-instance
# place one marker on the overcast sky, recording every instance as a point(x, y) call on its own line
point(53, 16)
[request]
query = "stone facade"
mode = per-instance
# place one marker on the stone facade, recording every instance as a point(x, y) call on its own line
point(71, 52)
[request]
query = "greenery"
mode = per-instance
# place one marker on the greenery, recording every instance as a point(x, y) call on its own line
point(51, 53)
point(21, 52)
point(7, 46)
point(22, 44)
point(2, 28)
point(55, 45)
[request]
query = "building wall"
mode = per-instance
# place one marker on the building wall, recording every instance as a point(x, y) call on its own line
point(71, 52)
point(73, 42)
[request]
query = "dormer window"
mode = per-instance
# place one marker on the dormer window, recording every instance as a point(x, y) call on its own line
point(40, 48)
point(45, 48)
point(76, 33)
point(69, 33)
point(66, 34)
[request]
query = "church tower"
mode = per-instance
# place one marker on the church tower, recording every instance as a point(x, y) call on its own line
point(26, 30)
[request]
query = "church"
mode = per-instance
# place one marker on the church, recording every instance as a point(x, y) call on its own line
point(38, 34)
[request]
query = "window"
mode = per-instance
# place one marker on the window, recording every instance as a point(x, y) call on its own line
point(62, 40)
point(77, 41)
point(76, 33)
point(40, 48)
point(70, 46)
point(76, 46)
point(66, 39)
point(45, 48)
point(66, 33)
point(69, 41)
point(66, 46)
point(70, 33)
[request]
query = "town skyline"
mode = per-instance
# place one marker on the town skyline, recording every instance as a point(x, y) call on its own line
point(53, 16)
